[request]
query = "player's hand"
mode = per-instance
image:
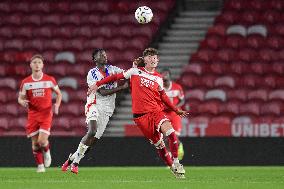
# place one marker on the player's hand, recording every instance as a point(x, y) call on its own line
point(182, 113)
point(92, 89)
point(56, 109)
point(25, 103)
point(138, 62)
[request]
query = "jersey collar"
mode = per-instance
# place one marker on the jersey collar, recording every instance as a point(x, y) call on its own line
point(39, 78)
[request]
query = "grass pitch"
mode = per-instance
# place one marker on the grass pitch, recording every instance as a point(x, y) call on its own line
point(144, 177)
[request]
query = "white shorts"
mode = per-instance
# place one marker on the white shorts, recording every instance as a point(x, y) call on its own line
point(93, 113)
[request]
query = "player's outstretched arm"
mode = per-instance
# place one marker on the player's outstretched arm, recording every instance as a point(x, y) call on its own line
point(93, 88)
point(105, 92)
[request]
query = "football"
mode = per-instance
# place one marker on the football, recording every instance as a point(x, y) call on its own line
point(143, 15)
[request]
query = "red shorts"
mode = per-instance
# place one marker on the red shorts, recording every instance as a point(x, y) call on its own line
point(39, 122)
point(150, 124)
point(175, 120)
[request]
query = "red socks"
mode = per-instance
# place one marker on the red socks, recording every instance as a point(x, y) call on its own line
point(173, 144)
point(46, 148)
point(164, 154)
point(38, 156)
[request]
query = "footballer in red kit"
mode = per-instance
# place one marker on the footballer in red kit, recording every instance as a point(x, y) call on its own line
point(36, 95)
point(175, 93)
point(148, 99)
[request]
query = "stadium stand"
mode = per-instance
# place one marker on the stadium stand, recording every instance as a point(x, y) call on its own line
point(242, 54)
point(65, 33)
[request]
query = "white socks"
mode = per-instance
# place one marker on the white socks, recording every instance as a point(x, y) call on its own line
point(79, 154)
point(176, 161)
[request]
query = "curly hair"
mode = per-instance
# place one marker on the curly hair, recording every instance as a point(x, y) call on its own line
point(150, 51)
point(95, 52)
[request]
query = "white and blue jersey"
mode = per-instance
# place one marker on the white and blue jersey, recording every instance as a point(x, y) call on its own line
point(104, 103)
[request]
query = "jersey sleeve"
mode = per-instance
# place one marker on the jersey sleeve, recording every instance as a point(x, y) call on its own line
point(117, 69)
point(132, 71)
point(54, 83)
point(23, 91)
point(161, 85)
point(92, 78)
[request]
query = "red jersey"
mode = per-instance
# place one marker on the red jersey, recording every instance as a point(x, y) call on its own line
point(38, 92)
point(145, 90)
point(175, 93)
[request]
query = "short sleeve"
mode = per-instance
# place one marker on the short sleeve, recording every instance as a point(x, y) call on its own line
point(23, 91)
point(54, 83)
point(132, 71)
point(92, 78)
point(161, 85)
point(117, 69)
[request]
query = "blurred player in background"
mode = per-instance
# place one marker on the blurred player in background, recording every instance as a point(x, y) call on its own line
point(148, 99)
point(98, 109)
point(175, 93)
point(36, 95)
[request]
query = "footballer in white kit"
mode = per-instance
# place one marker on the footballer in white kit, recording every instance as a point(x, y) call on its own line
point(98, 109)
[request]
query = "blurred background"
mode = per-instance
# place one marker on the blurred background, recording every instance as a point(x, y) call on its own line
point(227, 55)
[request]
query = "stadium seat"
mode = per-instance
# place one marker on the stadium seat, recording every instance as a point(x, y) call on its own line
point(250, 108)
point(210, 107)
point(4, 124)
point(271, 108)
point(236, 30)
point(230, 108)
point(243, 119)
point(235, 41)
point(193, 69)
point(225, 55)
point(65, 56)
point(257, 29)
point(196, 94)
point(68, 82)
point(275, 42)
point(259, 94)
point(199, 119)
point(249, 17)
point(237, 94)
point(216, 94)
point(218, 29)
point(276, 95)
point(225, 81)
point(255, 41)
point(8, 83)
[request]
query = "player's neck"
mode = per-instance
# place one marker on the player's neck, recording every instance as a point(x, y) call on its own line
point(102, 67)
point(37, 75)
point(167, 84)
point(150, 69)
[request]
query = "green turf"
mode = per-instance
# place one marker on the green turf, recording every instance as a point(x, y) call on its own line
point(144, 177)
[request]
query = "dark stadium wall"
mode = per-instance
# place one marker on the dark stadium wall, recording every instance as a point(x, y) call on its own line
point(132, 151)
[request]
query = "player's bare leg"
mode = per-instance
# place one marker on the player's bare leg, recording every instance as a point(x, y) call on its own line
point(45, 147)
point(87, 141)
point(37, 153)
point(176, 168)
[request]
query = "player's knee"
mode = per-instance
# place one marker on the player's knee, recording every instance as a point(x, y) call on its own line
point(92, 129)
point(42, 143)
point(35, 146)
